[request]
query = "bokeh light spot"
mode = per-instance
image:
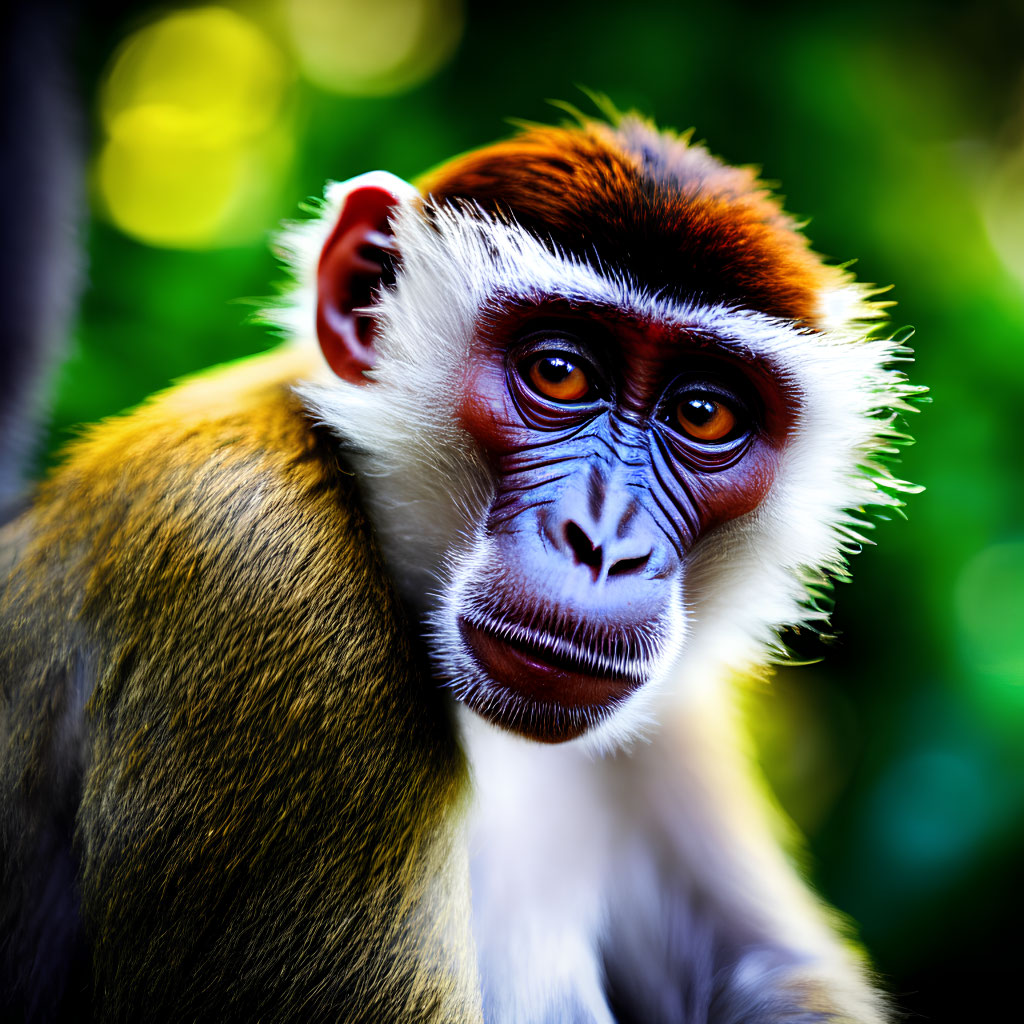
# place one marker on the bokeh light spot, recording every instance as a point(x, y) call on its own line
point(373, 47)
point(191, 106)
point(1003, 208)
point(989, 603)
point(931, 811)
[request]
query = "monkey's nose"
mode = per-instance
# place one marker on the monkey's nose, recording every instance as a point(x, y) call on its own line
point(620, 557)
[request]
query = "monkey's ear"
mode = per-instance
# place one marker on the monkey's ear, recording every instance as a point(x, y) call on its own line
point(359, 256)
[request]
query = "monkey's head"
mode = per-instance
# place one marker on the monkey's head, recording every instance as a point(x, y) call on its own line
point(613, 418)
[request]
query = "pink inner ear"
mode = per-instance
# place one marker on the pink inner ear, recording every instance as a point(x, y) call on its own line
point(352, 264)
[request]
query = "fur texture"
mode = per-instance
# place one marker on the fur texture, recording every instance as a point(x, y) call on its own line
point(687, 225)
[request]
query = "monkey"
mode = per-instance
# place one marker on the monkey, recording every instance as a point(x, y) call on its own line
point(391, 675)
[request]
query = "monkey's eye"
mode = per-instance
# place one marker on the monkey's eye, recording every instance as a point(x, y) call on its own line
point(554, 375)
point(705, 417)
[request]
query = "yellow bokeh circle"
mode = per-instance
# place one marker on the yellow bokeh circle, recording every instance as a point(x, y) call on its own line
point(373, 47)
point(191, 106)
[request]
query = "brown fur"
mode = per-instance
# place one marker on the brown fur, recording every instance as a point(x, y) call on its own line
point(651, 203)
point(269, 810)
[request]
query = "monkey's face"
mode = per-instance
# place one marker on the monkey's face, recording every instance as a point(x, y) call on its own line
point(609, 416)
point(614, 445)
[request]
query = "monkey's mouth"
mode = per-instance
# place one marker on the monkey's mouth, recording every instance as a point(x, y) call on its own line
point(548, 669)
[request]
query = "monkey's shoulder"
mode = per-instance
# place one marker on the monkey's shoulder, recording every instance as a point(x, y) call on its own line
point(213, 506)
point(203, 439)
point(225, 465)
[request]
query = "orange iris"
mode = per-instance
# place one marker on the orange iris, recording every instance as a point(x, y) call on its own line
point(704, 419)
point(558, 379)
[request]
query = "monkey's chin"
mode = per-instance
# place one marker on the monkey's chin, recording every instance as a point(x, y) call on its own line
point(538, 687)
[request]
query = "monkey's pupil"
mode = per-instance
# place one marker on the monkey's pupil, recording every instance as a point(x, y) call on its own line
point(700, 411)
point(555, 370)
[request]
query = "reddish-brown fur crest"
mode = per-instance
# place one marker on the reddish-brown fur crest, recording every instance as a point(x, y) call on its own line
point(633, 197)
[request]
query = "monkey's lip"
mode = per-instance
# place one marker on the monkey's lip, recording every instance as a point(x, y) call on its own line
point(548, 668)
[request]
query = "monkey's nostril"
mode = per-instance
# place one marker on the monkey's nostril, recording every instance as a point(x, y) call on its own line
point(586, 552)
point(625, 566)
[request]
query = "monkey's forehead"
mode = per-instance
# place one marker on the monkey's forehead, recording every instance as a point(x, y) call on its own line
point(651, 203)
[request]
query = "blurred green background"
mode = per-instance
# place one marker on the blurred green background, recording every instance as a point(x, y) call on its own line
point(896, 127)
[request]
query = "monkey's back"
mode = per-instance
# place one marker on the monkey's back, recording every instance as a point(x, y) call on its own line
point(240, 805)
